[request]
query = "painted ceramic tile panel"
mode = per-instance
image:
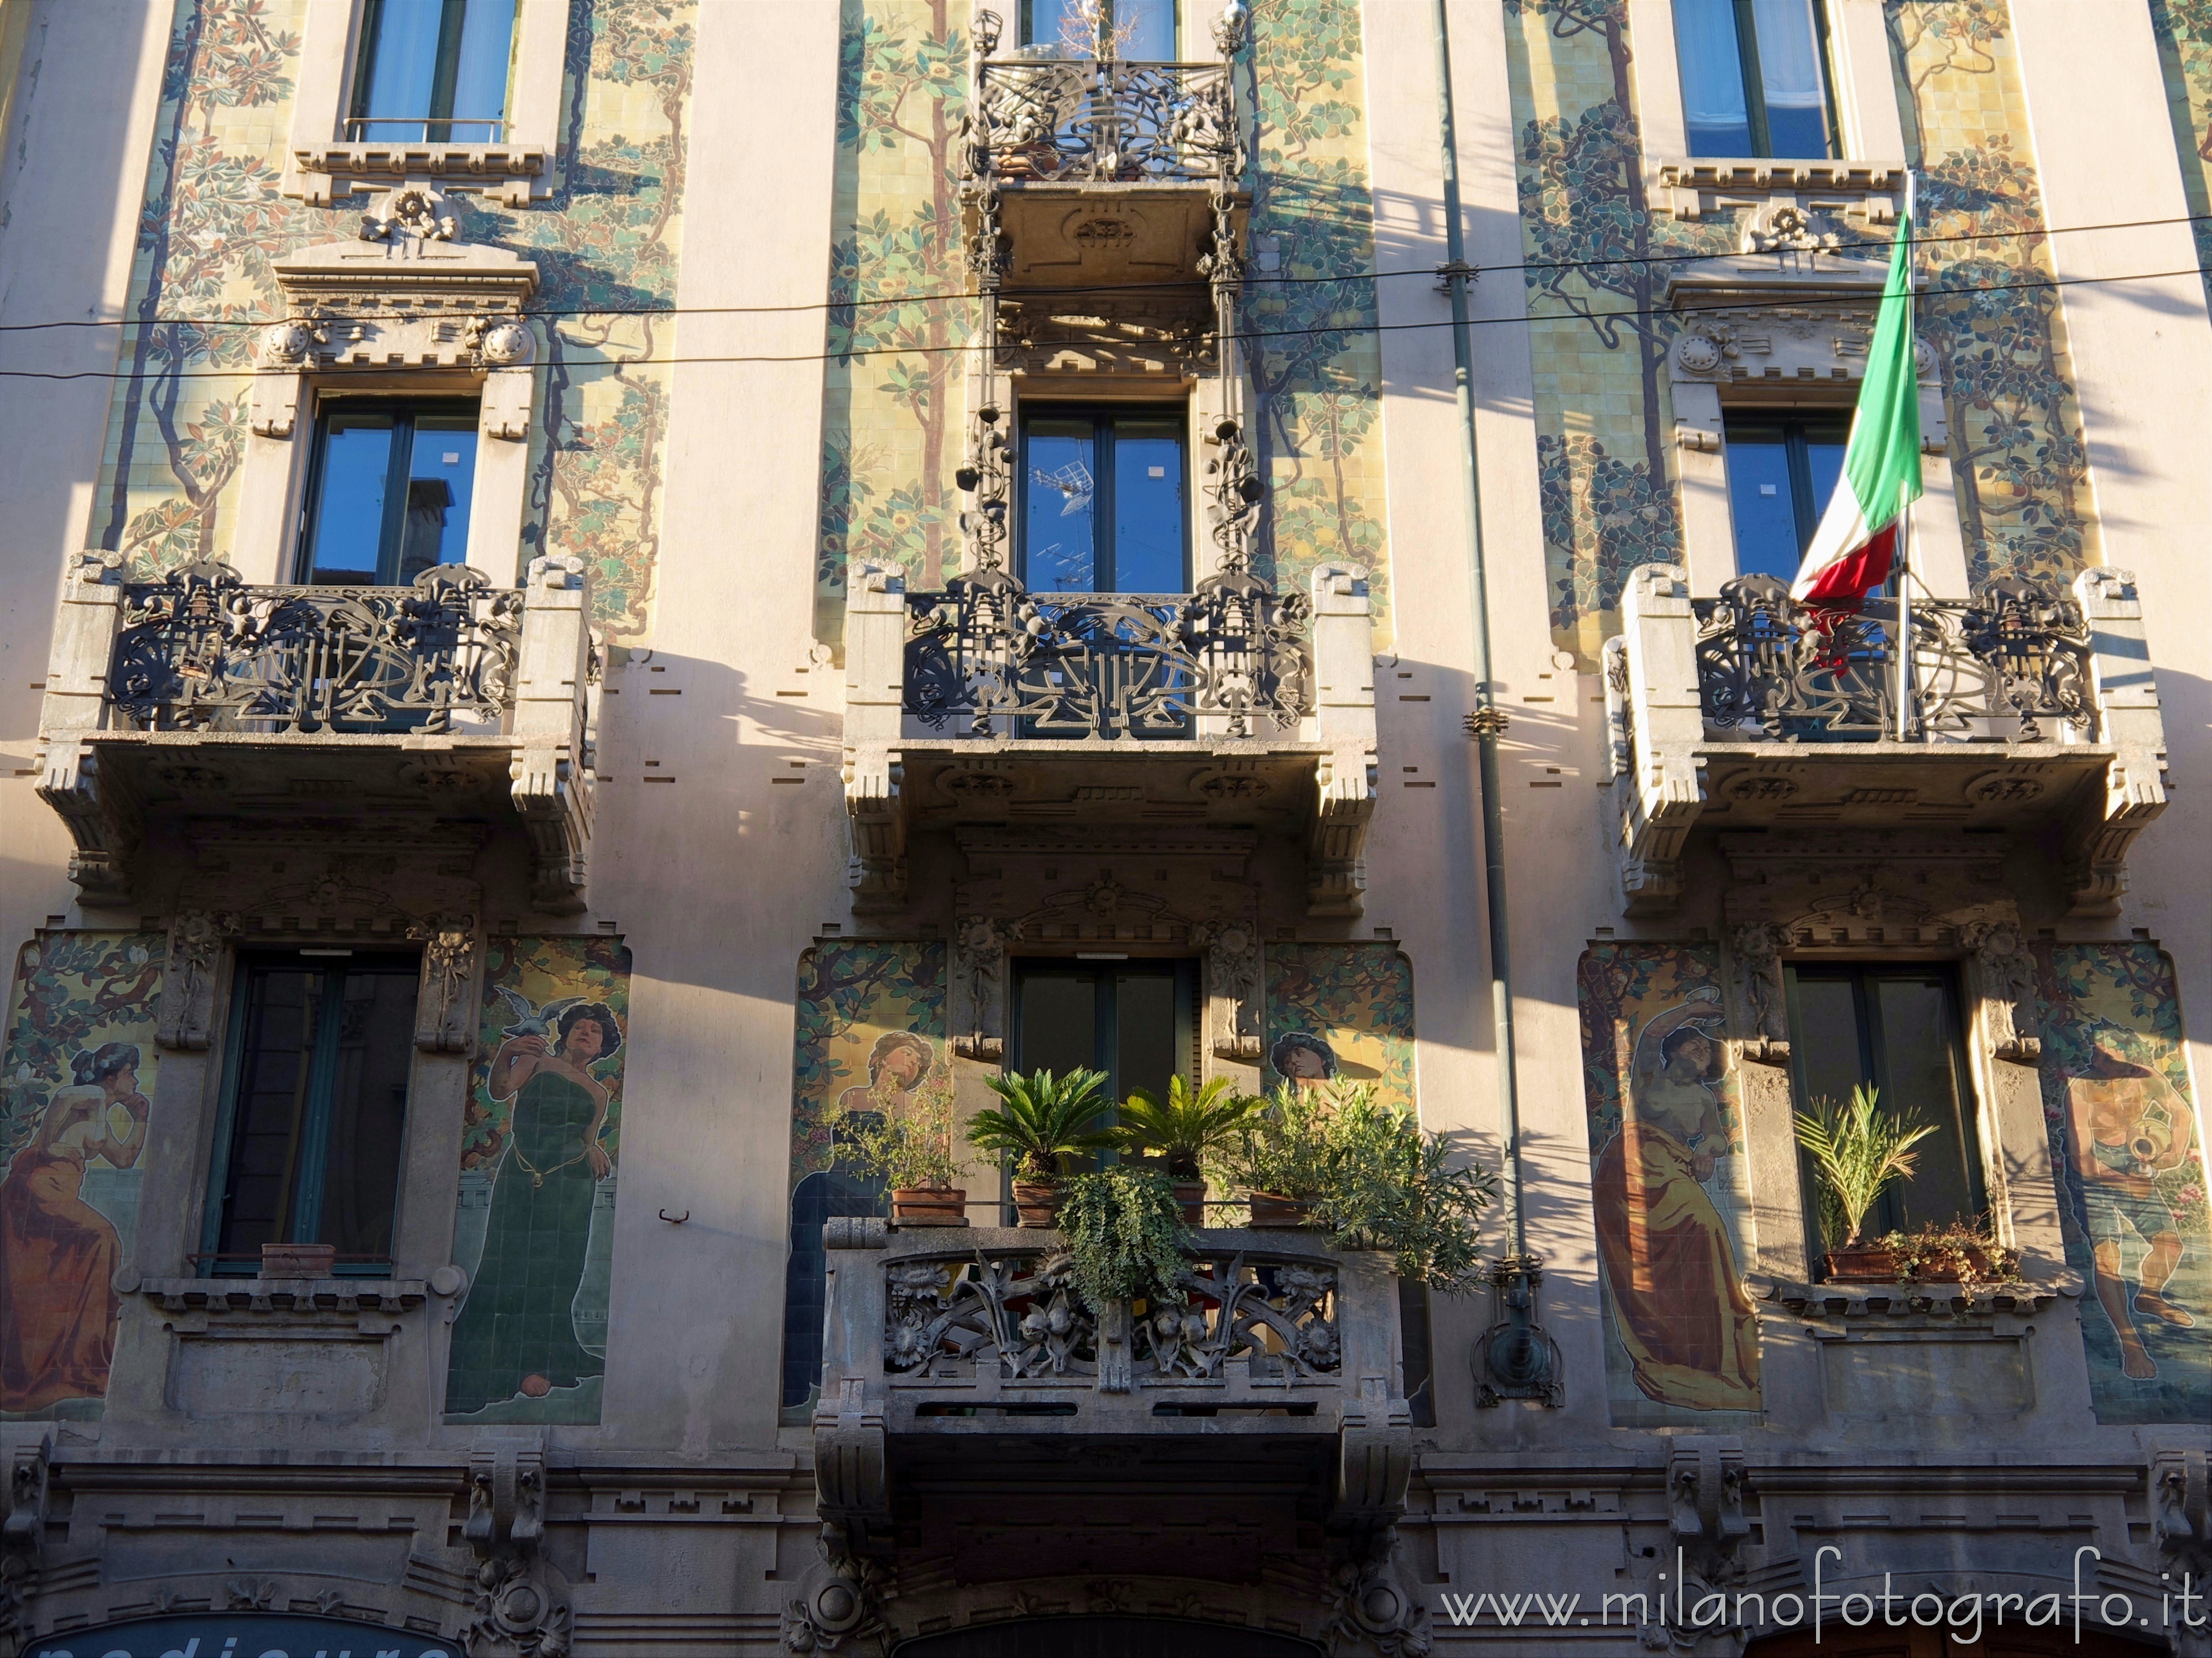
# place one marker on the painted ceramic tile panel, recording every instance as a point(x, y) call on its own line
point(1341, 1012)
point(541, 1138)
point(214, 221)
point(894, 420)
point(1669, 1185)
point(869, 1037)
point(1603, 409)
point(79, 1073)
point(2128, 1155)
point(2184, 28)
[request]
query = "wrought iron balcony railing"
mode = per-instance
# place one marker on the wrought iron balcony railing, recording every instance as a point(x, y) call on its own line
point(1010, 661)
point(450, 691)
point(2028, 704)
point(201, 650)
point(1104, 121)
point(1282, 1351)
point(2003, 664)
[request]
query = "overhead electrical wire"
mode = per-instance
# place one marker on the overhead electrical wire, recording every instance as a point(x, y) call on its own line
point(419, 370)
point(964, 294)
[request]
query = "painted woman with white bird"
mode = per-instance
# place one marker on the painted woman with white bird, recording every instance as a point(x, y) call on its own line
point(516, 1334)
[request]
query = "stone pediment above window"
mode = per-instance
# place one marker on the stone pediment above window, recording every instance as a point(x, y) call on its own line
point(1792, 203)
point(402, 296)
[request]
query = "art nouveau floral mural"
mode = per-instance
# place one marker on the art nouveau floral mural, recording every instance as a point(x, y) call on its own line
point(1600, 332)
point(1340, 1012)
point(605, 245)
point(541, 1141)
point(2131, 1169)
point(893, 431)
point(1668, 1186)
point(2185, 44)
point(74, 1111)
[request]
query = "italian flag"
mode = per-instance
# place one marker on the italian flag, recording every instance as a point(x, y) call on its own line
point(1852, 550)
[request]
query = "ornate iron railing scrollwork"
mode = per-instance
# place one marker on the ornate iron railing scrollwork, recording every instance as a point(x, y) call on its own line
point(1020, 1311)
point(1143, 665)
point(2015, 655)
point(202, 650)
point(1089, 121)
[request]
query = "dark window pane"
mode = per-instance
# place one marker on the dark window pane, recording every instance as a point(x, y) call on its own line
point(1148, 507)
point(1824, 458)
point(441, 482)
point(1827, 1040)
point(353, 472)
point(367, 1112)
point(1060, 516)
point(1790, 77)
point(1145, 1020)
point(1919, 1081)
point(480, 77)
point(1713, 105)
point(401, 72)
point(1059, 1022)
point(1761, 501)
point(281, 1016)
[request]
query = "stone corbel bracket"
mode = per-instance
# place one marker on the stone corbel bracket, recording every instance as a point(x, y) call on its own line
point(23, 1533)
point(2180, 1488)
point(1375, 1460)
point(2129, 722)
point(507, 1499)
point(875, 698)
point(402, 295)
point(1343, 718)
point(1653, 703)
point(552, 772)
point(197, 938)
point(852, 1474)
point(1705, 1495)
point(445, 1004)
point(99, 818)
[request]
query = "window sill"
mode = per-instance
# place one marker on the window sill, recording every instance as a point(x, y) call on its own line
point(1846, 1302)
point(516, 173)
point(291, 1300)
point(1691, 187)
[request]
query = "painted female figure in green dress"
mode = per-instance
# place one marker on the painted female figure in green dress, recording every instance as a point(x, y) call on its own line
point(517, 1333)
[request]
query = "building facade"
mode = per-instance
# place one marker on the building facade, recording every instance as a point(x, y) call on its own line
point(600, 587)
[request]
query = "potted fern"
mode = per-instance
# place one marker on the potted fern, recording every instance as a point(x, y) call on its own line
point(1185, 1134)
point(1039, 1123)
point(1858, 1153)
point(911, 1154)
point(1126, 1237)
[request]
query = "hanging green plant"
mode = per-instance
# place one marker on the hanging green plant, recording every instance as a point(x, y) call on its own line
point(1126, 1233)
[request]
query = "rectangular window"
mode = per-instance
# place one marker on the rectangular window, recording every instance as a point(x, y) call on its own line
point(433, 71)
point(1754, 78)
point(388, 491)
point(1135, 1021)
point(1100, 500)
point(1137, 31)
point(1896, 1030)
point(1781, 471)
point(311, 1138)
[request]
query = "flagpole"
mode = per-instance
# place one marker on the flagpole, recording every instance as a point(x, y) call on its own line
point(1906, 713)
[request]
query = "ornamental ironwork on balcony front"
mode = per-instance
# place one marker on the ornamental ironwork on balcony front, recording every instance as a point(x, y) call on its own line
point(2026, 705)
point(449, 699)
point(1103, 122)
point(962, 1362)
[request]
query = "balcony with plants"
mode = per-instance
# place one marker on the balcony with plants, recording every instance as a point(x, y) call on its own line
point(201, 700)
point(2024, 710)
point(1244, 1346)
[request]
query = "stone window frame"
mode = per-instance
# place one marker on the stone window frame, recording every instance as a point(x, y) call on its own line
point(322, 166)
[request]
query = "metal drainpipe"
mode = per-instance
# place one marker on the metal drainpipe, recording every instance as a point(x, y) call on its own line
point(1518, 1359)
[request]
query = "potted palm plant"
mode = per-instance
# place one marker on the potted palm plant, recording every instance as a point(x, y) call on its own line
point(1041, 1122)
point(911, 1154)
point(1858, 1153)
point(1185, 1134)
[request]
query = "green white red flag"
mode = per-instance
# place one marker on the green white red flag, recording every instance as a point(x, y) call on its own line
point(1852, 551)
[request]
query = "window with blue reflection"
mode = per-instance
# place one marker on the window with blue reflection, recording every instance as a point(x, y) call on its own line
point(1781, 470)
point(1754, 80)
point(433, 71)
point(1140, 31)
point(389, 492)
point(1100, 500)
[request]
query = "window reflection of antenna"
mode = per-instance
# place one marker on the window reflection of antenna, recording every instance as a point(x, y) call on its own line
point(1064, 567)
point(1072, 481)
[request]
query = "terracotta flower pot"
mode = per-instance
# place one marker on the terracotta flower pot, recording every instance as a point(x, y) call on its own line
point(1862, 1263)
point(1191, 1195)
point(299, 1259)
point(1038, 1203)
point(1271, 1209)
point(929, 1206)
